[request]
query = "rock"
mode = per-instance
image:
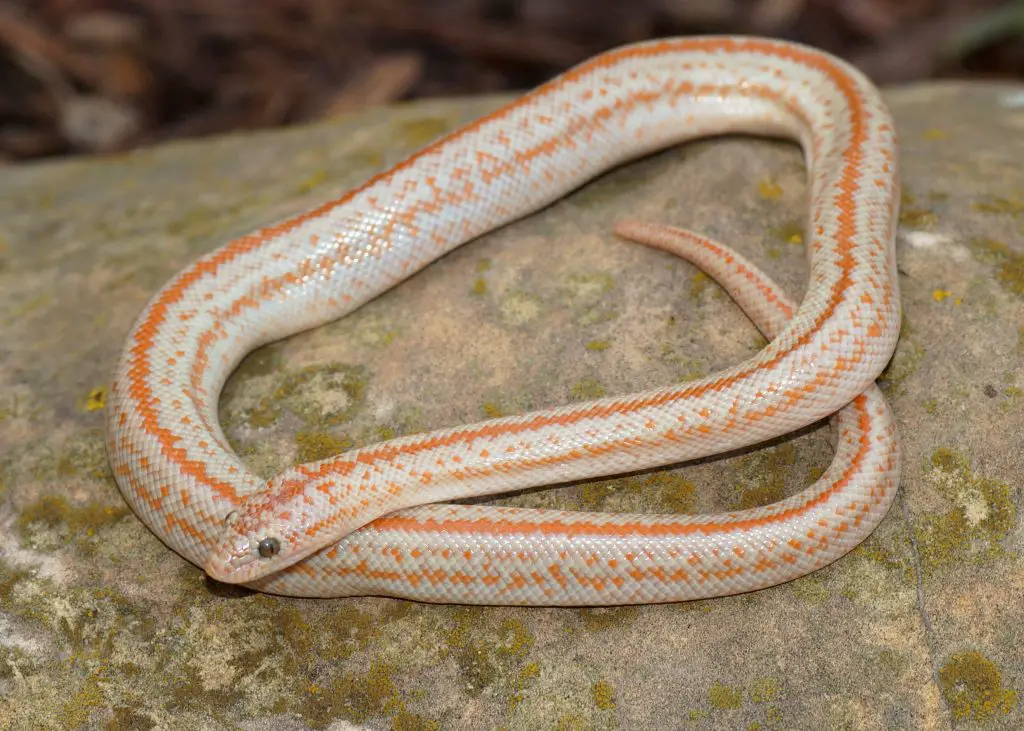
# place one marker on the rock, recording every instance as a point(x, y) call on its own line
point(102, 626)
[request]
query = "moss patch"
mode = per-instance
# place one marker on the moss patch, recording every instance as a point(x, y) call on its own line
point(996, 204)
point(663, 491)
point(768, 469)
point(520, 308)
point(586, 295)
point(905, 361)
point(314, 446)
point(491, 656)
point(764, 690)
point(84, 457)
point(53, 521)
point(973, 688)
point(791, 232)
point(586, 389)
point(699, 284)
point(982, 515)
point(725, 697)
point(912, 215)
point(1009, 263)
point(322, 396)
point(603, 694)
point(602, 618)
point(422, 131)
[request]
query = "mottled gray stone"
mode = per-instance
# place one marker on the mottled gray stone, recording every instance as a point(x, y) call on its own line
point(101, 626)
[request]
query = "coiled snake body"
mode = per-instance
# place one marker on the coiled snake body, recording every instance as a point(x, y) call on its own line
point(372, 520)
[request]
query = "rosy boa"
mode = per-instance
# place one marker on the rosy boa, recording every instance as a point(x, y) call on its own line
point(367, 522)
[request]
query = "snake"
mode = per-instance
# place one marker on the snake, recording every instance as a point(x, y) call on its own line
point(379, 519)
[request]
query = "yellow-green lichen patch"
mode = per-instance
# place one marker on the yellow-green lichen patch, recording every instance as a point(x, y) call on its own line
point(586, 389)
point(810, 589)
point(526, 676)
point(675, 494)
point(322, 396)
point(571, 722)
point(376, 331)
point(501, 404)
point(597, 619)
point(354, 696)
point(695, 715)
point(918, 218)
point(595, 494)
point(53, 521)
point(905, 361)
point(15, 311)
point(603, 694)
point(419, 132)
point(699, 284)
point(264, 361)
point(768, 469)
point(365, 160)
point(312, 181)
point(769, 189)
point(584, 290)
point(404, 420)
point(491, 655)
point(596, 346)
point(586, 296)
point(241, 402)
point(83, 702)
point(314, 446)
point(479, 286)
point(913, 216)
point(662, 491)
point(491, 410)
point(764, 690)
point(687, 368)
point(973, 688)
point(95, 400)
point(15, 403)
point(995, 204)
point(15, 663)
point(360, 696)
point(128, 718)
point(725, 697)
point(891, 552)
point(520, 308)
point(791, 232)
point(982, 515)
point(207, 221)
point(83, 457)
point(85, 666)
point(1009, 263)
point(9, 578)
point(271, 656)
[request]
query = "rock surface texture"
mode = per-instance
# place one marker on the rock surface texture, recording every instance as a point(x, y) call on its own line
point(101, 626)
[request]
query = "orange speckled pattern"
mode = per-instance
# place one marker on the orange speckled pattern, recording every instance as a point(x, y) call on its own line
point(369, 522)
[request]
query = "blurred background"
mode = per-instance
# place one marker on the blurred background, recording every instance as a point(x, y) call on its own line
point(100, 76)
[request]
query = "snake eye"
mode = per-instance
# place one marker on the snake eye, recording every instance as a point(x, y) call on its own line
point(269, 547)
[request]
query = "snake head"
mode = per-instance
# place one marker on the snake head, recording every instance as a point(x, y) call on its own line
point(276, 528)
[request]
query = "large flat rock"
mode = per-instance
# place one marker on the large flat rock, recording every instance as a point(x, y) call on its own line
point(101, 626)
